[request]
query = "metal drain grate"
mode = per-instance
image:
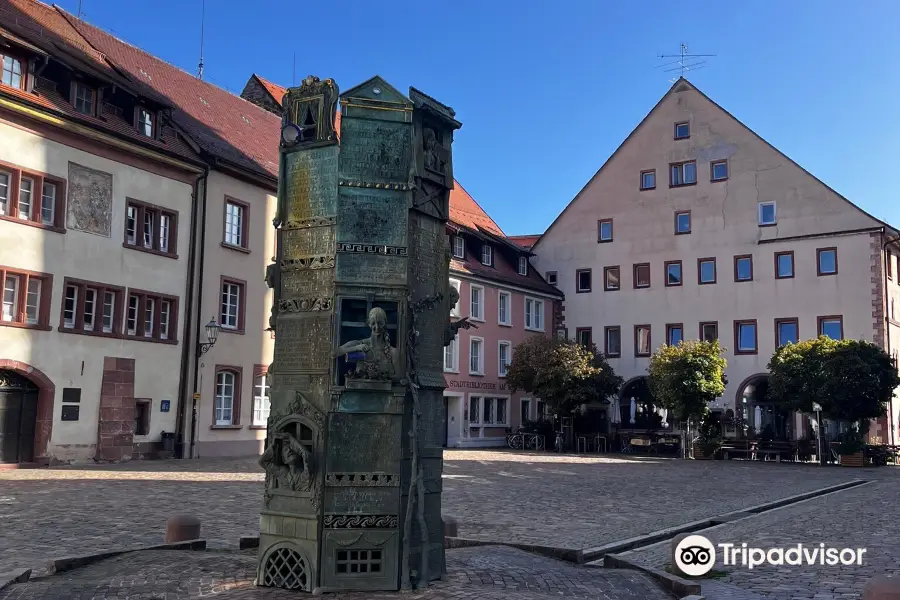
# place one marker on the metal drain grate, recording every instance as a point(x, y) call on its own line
point(286, 569)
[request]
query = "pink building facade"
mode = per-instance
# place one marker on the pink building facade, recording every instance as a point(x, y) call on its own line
point(507, 301)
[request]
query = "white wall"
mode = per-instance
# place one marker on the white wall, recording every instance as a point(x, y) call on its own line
point(90, 257)
point(724, 224)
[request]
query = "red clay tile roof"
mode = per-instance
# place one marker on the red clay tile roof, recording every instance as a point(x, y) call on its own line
point(525, 241)
point(465, 211)
point(223, 124)
point(277, 92)
point(46, 29)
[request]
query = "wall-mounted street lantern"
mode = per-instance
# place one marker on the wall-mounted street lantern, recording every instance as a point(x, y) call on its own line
point(212, 334)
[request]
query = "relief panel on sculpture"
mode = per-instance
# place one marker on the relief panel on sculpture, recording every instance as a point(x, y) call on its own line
point(307, 283)
point(307, 241)
point(372, 217)
point(360, 560)
point(371, 267)
point(89, 206)
point(311, 183)
point(363, 442)
point(303, 344)
point(375, 151)
point(362, 500)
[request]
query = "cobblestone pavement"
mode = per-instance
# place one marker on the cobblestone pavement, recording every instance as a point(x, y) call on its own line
point(545, 499)
point(482, 573)
point(860, 517)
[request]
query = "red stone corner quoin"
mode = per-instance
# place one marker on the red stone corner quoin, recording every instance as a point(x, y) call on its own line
point(115, 431)
point(43, 426)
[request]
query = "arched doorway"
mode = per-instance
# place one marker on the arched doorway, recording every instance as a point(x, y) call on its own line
point(762, 417)
point(43, 419)
point(645, 414)
point(18, 418)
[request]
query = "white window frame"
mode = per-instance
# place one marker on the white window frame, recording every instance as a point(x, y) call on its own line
point(234, 224)
point(680, 168)
point(480, 315)
point(503, 369)
point(91, 296)
point(500, 320)
point(164, 223)
point(132, 314)
point(523, 266)
point(262, 400)
point(542, 320)
point(459, 247)
point(712, 170)
point(759, 209)
point(221, 397)
point(35, 307)
point(480, 341)
point(69, 322)
point(149, 311)
point(233, 291)
point(109, 316)
point(4, 191)
point(51, 198)
point(10, 309)
point(165, 315)
point(131, 215)
point(26, 215)
point(453, 349)
point(487, 252)
point(555, 277)
point(455, 310)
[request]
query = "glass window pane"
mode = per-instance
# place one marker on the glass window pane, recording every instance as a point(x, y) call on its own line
point(675, 336)
point(673, 274)
point(767, 213)
point(831, 328)
point(48, 203)
point(707, 271)
point(605, 230)
point(710, 332)
point(33, 301)
point(787, 333)
point(827, 261)
point(4, 193)
point(785, 265)
point(744, 269)
point(690, 172)
point(612, 279)
point(648, 180)
point(614, 341)
point(682, 130)
point(642, 275)
point(683, 222)
point(720, 170)
point(747, 336)
point(10, 297)
point(26, 188)
point(643, 340)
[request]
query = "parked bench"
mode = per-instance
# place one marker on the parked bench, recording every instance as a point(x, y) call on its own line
point(745, 448)
point(778, 449)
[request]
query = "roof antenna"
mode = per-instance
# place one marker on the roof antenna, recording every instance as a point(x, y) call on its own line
point(202, 19)
point(294, 71)
point(686, 62)
point(79, 9)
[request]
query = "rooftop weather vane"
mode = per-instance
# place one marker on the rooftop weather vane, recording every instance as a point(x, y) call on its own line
point(686, 62)
point(202, 23)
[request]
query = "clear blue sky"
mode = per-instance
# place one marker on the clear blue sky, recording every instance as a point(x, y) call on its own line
point(816, 78)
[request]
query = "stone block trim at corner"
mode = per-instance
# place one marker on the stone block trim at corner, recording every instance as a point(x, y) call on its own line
point(115, 428)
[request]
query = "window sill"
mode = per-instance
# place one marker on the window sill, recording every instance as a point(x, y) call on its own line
point(141, 338)
point(471, 318)
point(827, 274)
point(681, 185)
point(646, 189)
point(226, 427)
point(32, 224)
point(583, 291)
point(746, 352)
point(257, 427)
point(612, 289)
point(17, 325)
point(235, 248)
point(718, 180)
point(706, 283)
point(459, 257)
point(604, 241)
point(768, 224)
point(476, 374)
point(111, 334)
point(613, 355)
point(527, 328)
point(140, 248)
point(682, 233)
point(784, 277)
point(642, 287)
point(684, 137)
point(501, 324)
point(642, 356)
point(236, 331)
point(451, 371)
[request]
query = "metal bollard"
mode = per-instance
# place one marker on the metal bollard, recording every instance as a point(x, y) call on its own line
point(182, 528)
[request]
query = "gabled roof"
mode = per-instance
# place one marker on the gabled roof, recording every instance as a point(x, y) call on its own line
point(276, 91)
point(225, 126)
point(683, 84)
point(43, 29)
point(525, 241)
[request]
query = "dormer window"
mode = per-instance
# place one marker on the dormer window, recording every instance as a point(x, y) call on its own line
point(12, 74)
point(459, 247)
point(523, 266)
point(487, 255)
point(145, 122)
point(84, 98)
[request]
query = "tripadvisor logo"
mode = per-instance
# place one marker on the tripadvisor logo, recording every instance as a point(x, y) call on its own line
point(695, 555)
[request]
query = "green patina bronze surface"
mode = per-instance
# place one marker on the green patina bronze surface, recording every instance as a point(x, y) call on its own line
point(353, 454)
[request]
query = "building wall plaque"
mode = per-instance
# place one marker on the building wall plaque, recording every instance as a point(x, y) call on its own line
point(89, 206)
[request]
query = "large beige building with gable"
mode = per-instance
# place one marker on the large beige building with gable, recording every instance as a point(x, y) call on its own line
point(697, 227)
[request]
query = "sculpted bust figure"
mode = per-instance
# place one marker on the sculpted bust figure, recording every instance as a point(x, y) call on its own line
point(454, 326)
point(380, 359)
point(286, 460)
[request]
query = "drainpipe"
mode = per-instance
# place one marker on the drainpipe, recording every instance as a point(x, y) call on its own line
point(887, 322)
point(188, 314)
point(200, 324)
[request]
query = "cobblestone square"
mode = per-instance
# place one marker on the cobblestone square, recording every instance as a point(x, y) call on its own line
point(497, 496)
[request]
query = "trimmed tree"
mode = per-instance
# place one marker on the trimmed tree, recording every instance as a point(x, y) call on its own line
point(852, 380)
point(687, 377)
point(563, 373)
